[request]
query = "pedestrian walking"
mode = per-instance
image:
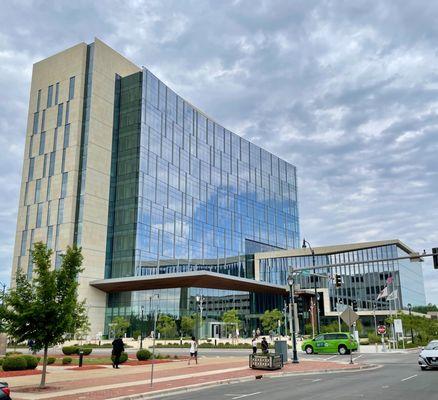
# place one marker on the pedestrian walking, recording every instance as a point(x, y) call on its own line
point(265, 346)
point(254, 345)
point(193, 350)
point(118, 349)
point(258, 332)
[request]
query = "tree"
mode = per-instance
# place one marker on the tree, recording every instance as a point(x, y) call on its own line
point(167, 326)
point(425, 309)
point(188, 325)
point(231, 319)
point(120, 325)
point(270, 320)
point(46, 309)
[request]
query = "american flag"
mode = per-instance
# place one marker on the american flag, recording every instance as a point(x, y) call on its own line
point(389, 280)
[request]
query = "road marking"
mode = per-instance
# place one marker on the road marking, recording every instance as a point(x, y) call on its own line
point(316, 380)
point(330, 358)
point(409, 377)
point(245, 395)
point(354, 359)
point(385, 387)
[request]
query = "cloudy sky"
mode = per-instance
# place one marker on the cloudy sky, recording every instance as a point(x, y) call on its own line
point(347, 91)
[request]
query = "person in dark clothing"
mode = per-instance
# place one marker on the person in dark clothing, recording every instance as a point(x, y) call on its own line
point(118, 349)
point(265, 346)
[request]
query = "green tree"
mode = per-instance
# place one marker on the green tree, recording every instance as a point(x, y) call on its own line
point(270, 320)
point(425, 309)
point(167, 326)
point(45, 309)
point(188, 324)
point(120, 325)
point(231, 319)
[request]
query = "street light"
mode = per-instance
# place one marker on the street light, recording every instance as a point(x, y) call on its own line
point(305, 242)
point(200, 303)
point(141, 327)
point(410, 322)
point(291, 283)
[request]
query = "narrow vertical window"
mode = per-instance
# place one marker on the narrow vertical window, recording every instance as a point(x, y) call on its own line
point(38, 100)
point(46, 158)
point(59, 117)
point(49, 236)
point(52, 163)
point(49, 210)
point(42, 143)
point(57, 93)
point(71, 88)
point(31, 168)
point(66, 136)
point(31, 146)
point(35, 123)
point(43, 120)
point(49, 185)
point(60, 218)
point(26, 226)
point(23, 242)
point(37, 190)
point(55, 139)
point(49, 96)
point(39, 215)
point(63, 161)
point(26, 190)
point(67, 112)
point(64, 184)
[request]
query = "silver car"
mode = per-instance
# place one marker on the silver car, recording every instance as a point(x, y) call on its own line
point(428, 358)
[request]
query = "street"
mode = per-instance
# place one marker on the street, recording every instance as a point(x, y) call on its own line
point(399, 377)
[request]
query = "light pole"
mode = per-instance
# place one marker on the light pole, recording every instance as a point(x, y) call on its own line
point(200, 303)
point(141, 327)
point(291, 283)
point(410, 322)
point(155, 333)
point(305, 244)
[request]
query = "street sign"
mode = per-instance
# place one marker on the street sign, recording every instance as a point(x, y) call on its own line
point(340, 307)
point(398, 326)
point(381, 329)
point(349, 316)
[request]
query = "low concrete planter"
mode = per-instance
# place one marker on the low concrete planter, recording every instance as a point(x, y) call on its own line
point(265, 361)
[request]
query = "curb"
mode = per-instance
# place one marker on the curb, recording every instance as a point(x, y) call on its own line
point(230, 381)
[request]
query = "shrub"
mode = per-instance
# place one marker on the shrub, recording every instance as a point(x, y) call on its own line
point(86, 350)
point(13, 353)
point(31, 361)
point(143, 355)
point(1, 360)
point(123, 358)
point(69, 350)
point(67, 360)
point(14, 363)
point(51, 360)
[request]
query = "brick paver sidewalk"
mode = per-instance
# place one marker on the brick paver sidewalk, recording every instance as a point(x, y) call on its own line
point(130, 380)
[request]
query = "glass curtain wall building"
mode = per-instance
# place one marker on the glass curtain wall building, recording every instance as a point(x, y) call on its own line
point(189, 195)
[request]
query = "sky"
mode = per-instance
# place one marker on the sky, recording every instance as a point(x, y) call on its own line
point(346, 91)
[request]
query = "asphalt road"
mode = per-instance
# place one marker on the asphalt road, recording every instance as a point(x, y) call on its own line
point(398, 378)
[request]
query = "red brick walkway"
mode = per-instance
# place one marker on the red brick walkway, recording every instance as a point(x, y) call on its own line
point(127, 383)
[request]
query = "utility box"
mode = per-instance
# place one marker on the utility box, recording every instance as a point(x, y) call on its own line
point(281, 349)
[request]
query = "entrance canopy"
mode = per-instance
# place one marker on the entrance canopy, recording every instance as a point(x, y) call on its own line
point(200, 279)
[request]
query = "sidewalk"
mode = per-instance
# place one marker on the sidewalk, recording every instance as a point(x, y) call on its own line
point(108, 383)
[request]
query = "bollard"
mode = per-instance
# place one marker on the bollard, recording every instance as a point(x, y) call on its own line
point(81, 357)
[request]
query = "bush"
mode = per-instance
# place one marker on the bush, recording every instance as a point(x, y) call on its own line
point(14, 363)
point(123, 358)
point(143, 355)
point(13, 353)
point(67, 360)
point(31, 361)
point(69, 350)
point(51, 360)
point(86, 350)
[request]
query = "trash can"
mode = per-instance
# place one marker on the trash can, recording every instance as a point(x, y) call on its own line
point(281, 349)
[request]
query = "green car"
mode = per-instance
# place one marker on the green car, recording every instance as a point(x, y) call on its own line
point(337, 342)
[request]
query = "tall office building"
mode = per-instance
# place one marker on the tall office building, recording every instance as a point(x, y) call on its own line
point(148, 185)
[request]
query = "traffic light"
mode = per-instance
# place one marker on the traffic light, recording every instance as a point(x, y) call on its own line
point(354, 305)
point(338, 280)
point(435, 257)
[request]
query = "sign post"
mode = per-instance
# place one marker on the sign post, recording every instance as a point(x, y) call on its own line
point(350, 318)
point(381, 330)
point(398, 328)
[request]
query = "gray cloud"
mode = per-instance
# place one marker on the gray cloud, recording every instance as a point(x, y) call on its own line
point(344, 90)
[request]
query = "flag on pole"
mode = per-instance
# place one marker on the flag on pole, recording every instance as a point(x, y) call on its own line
point(393, 295)
point(389, 280)
point(383, 293)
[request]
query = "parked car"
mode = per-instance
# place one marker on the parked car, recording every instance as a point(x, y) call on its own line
point(428, 357)
point(4, 391)
point(336, 342)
